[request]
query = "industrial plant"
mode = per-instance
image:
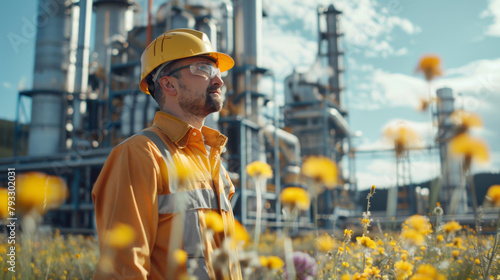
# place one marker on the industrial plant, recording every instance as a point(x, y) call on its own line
point(86, 99)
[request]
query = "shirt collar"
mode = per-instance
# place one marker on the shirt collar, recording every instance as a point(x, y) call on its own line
point(178, 131)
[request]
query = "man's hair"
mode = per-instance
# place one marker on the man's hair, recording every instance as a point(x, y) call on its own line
point(154, 87)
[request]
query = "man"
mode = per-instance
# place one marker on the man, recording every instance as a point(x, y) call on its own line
point(141, 184)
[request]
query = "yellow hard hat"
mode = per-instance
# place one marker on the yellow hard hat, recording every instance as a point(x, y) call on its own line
point(176, 44)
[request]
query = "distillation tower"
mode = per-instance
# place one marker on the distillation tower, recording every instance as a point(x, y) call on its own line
point(315, 113)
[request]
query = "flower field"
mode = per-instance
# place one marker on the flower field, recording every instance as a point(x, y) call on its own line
point(420, 250)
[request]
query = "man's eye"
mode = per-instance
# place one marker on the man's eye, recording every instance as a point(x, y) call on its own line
point(204, 68)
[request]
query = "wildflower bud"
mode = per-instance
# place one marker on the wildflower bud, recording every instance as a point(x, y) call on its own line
point(372, 191)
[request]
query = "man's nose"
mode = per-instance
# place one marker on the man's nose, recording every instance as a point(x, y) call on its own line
point(217, 81)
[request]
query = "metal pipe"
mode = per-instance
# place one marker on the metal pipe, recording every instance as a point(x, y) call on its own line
point(286, 138)
point(82, 64)
point(227, 27)
point(331, 112)
point(54, 165)
point(46, 130)
point(110, 19)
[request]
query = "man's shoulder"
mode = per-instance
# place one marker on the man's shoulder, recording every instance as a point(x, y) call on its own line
point(138, 142)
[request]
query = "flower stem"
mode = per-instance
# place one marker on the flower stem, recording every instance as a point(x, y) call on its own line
point(494, 249)
point(288, 216)
point(258, 215)
point(315, 214)
point(476, 218)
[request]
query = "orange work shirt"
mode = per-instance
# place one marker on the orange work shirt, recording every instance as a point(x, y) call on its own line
point(133, 188)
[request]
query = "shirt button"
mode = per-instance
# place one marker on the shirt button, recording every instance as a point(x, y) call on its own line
point(194, 133)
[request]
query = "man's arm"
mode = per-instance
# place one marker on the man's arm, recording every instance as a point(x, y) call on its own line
point(126, 192)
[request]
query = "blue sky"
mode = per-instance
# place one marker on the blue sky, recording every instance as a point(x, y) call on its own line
point(383, 42)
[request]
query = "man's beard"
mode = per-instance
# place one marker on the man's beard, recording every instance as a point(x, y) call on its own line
point(192, 104)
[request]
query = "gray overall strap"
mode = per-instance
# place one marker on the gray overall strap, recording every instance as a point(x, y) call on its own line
point(173, 180)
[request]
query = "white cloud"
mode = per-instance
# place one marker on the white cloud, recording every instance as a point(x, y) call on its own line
point(367, 26)
point(493, 11)
point(476, 86)
point(401, 51)
point(389, 90)
point(382, 172)
point(6, 85)
point(404, 24)
point(284, 58)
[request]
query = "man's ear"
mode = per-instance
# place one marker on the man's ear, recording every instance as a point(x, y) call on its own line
point(167, 85)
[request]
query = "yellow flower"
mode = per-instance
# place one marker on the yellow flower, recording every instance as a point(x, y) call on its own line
point(423, 104)
point(213, 220)
point(413, 236)
point(259, 169)
point(455, 253)
point(180, 256)
point(39, 191)
point(440, 238)
point(403, 269)
point(465, 119)
point(271, 262)
point(420, 224)
point(469, 148)
point(381, 250)
point(325, 243)
point(430, 66)
point(321, 169)
point(493, 195)
point(477, 261)
point(367, 242)
point(452, 226)
point(347, 233)
point(345, 277)
point(120, 236)
point(365, 222)
point(403, 137)
point(295, 197)
point(185, 171)
point(427, 272)
point(369, 261)
point(359, 276)
point(241, 235)
point(372, 190)
point(345, 264)
point(456, 242)
point(4, 207)
point(372, 271)
point(275, 262)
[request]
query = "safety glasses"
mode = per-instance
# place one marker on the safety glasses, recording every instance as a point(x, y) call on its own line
point(200, 68)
